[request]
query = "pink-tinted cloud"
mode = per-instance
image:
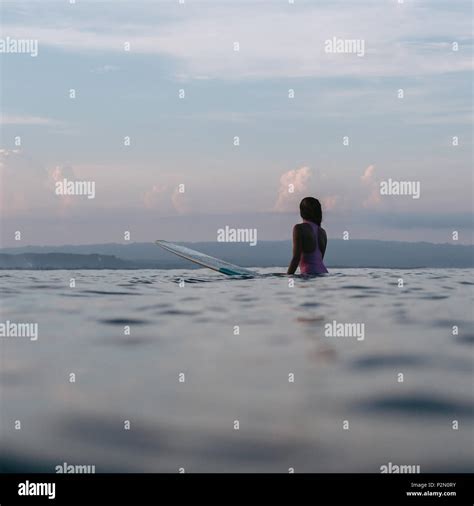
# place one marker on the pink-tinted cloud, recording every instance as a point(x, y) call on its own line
point(294, 185)
point(8, 119)
point(155, 197)
point(180, 201)
point(166, 198)
point(329, 203)
point(58, 174)
point(368, 179)
point(368, 174)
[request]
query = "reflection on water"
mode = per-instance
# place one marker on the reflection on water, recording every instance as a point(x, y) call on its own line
point(127, 336)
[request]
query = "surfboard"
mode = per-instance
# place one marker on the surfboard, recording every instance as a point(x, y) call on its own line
point(205, 260)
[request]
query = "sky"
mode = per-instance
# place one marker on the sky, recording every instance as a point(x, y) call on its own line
point(164, 88)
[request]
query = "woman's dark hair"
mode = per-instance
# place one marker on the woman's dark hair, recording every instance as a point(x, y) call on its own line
point(310, 209)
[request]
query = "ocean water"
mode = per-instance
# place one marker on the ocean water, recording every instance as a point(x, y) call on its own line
point(185, 322)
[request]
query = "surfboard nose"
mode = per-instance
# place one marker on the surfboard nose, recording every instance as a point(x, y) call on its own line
point(204, 260)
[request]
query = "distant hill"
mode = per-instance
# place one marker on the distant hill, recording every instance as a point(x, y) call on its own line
point(352, 253)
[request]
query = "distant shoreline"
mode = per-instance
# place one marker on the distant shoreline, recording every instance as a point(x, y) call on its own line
point(340, 254)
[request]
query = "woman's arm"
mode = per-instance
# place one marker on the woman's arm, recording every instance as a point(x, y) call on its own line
point(322, 240)
point(297, 248)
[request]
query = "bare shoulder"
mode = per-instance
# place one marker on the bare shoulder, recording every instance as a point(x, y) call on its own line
point(298, 233)
point(297, 228)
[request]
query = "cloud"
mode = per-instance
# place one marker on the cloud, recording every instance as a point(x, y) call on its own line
point(368, 179)
point(276, 40)
point(368, 174)
point(27, 186)
point(329, 203)
point(180, 201)
point(59, 173)
point(293, 186)
point(5, 153)
point(154, 197)
point(105, 69)
point(165, 198)
point(28, 120)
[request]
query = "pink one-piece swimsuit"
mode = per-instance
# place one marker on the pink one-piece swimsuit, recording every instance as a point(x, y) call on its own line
point(312, 263)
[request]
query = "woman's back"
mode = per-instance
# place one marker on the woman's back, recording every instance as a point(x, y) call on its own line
point(311, 261)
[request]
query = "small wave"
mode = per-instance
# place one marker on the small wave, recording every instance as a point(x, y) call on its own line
point(138, 282)
point(382, 361)
point(357, 287)
point(178, 312)
point(435, 297)
point(125, 321)
point(309, 320)
point(195, 280)
point(126, 341)
point(42, 287)
point(467, 339)
point(418, 405)
point(103, 292)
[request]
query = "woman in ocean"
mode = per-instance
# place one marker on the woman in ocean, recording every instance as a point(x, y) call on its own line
point(309, 240)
